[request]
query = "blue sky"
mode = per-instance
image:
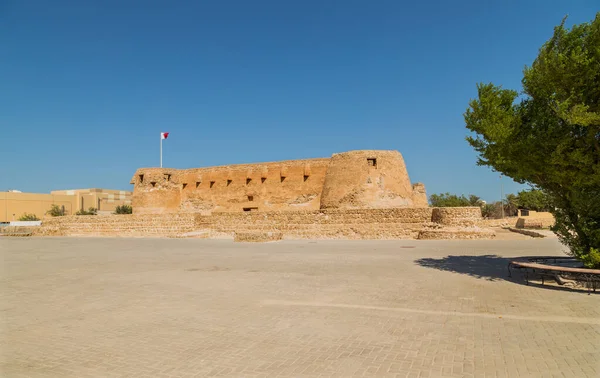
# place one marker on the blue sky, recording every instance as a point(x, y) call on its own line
point(88, 85)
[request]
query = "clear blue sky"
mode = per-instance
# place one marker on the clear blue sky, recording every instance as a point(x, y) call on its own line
point(86, 86)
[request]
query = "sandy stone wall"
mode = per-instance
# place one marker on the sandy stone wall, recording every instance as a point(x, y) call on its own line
point(397, 223)
point(456, 233)
point(346, 224)
point(349, 180)
point(456, 216)
point(168, 225)
point(506, 222)
point(257, 237)
point(419, 195)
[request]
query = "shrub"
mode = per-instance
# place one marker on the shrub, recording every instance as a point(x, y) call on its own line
point(29, 217)
point(591, 259)
point(123, 209)
point(56, 211)
point(90, 211)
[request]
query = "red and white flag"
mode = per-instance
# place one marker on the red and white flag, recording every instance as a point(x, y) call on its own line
point(164, 135)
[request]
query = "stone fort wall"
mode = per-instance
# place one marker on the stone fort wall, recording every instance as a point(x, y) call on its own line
point(350, 180)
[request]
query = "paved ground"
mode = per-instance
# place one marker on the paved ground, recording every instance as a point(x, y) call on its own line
point(193, 308)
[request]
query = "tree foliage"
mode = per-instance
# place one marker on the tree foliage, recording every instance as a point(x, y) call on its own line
point(533, 199)
point(452, 200)
point(549, 136)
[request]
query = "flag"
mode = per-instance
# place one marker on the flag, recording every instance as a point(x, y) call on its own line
point(164, 135)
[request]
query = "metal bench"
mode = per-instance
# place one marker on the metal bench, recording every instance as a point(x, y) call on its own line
point(535, 266)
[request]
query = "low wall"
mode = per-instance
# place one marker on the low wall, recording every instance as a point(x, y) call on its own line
point(454, 233)
point(397, 223)
point(257, 237)
point(118, 225)
point(25, 223)
point(16, 231)
point(505, 222)
point(456, 216)
point(533, 234)
point(535, 223)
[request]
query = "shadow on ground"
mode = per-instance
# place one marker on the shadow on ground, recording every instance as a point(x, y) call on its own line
point(490, 268)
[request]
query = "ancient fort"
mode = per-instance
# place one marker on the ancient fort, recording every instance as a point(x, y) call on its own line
point(363, 194)
point(349, 180)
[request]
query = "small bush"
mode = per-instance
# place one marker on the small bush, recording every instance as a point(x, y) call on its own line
point(90, 211)
point(29, 217)
point(56, 211)
point(591, 259)
point(123, 209)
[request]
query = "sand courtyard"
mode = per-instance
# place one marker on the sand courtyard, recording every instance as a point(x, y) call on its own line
point(126, 307)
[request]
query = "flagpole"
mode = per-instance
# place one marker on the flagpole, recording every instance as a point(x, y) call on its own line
point(161, 150)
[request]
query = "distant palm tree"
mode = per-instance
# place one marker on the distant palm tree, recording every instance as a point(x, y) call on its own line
point(511, 204)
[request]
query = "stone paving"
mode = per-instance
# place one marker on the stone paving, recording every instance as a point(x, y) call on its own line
point(87, 307)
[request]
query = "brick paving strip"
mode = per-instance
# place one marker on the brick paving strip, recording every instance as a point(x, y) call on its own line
point(555, 319)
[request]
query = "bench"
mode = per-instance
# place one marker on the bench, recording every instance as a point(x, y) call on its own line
point(536, 266)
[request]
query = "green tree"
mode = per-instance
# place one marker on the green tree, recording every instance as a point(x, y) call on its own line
point(448, 200)
point(474, 200)
point(28, 217)
point(549, 136)
point(533, 199)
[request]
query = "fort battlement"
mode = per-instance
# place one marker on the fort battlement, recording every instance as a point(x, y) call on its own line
point(365, 179)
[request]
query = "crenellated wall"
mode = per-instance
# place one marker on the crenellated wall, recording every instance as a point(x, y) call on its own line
point(287, 185)
point(349, 180)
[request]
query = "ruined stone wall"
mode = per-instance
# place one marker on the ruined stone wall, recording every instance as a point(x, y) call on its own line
point(398, 223)
point(456, 233)
point(257, 237)
point(419, 195)
point(456, 216)
point(287, 185)
point(129, 225)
